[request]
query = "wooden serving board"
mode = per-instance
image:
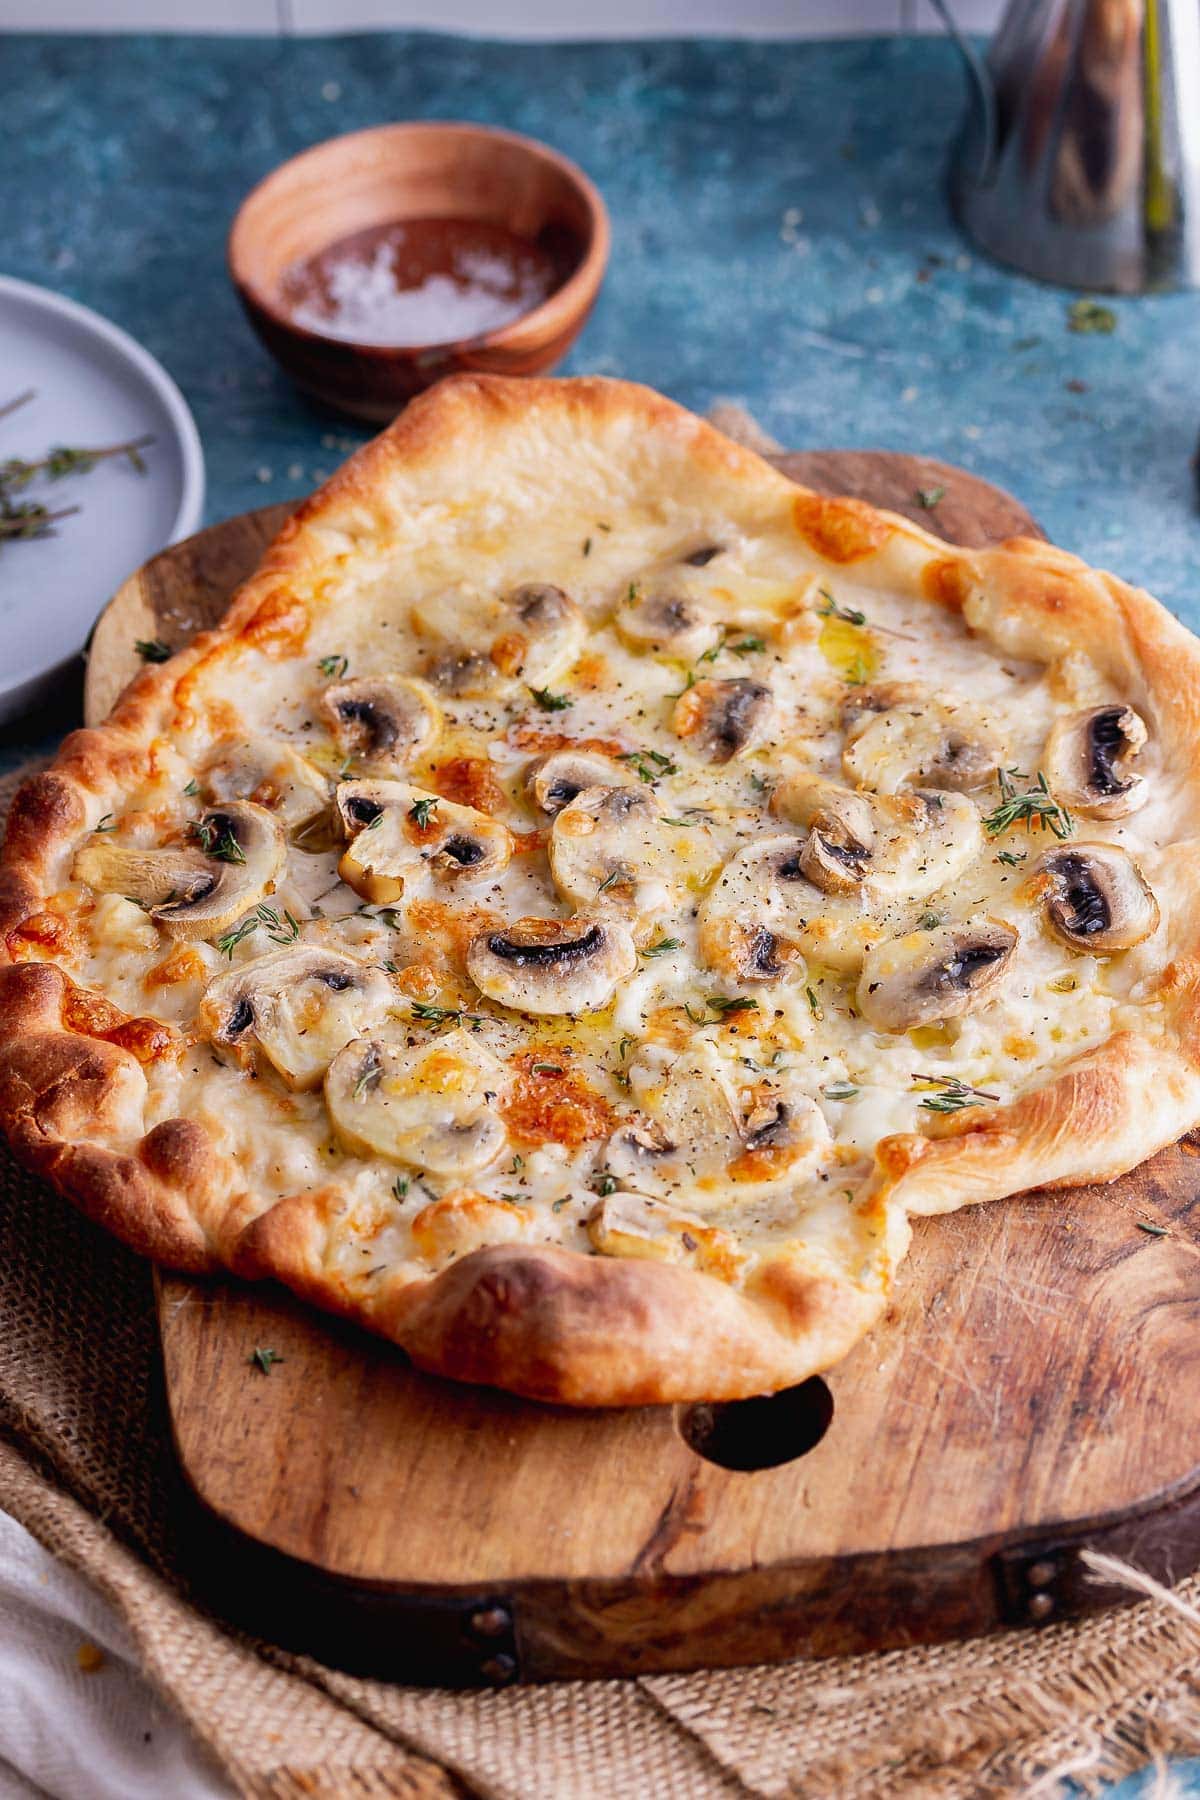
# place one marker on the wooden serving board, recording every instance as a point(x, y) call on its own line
point(1031, 1392)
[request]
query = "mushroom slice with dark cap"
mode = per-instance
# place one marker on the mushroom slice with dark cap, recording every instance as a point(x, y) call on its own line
point(665, 623)
point(464, 674)
point(933, 975)
point(606, 845)
point(384, 721)
point(686, 1135)
point(296, 1009)
point(257, 768)
point(836, 855)
point(922, 742)
point(431, 1106)
point(397, 831)
point(1095, 897)
point(552, 965)
point(896, 845)
point(1089, 759)
point(721, 719)
point(545, 636)
point(553, 781)
point(195, 891)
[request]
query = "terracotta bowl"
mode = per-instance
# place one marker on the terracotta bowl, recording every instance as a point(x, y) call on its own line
point(392, 172)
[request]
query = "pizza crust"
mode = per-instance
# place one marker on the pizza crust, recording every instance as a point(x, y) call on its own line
point(539, 1320)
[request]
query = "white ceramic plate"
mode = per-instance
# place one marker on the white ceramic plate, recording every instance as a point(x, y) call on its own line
point(94, 385)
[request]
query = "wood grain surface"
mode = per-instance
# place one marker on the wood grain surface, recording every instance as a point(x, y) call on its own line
point(1030, 1392)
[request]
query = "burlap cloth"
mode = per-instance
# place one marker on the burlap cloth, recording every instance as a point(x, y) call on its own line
point(85, 1466)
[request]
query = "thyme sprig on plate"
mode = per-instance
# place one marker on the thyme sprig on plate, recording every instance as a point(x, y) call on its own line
point(1037, 806)
point(69, 459)
point(29, 520)
point(33, 518)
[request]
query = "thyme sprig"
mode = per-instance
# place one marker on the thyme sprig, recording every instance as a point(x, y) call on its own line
point(29, 520)
point(69, 459)
point(1037, 806)
point(10, 406)
point(954, 1094)
point(850, 615)
point(33, 518)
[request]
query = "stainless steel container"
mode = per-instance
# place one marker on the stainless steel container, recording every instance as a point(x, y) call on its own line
point(1080, 158)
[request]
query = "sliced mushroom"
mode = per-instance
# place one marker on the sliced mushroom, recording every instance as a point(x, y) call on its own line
point(1096, 898)
point(837, 853)
point(464, 674)
point(696, 1130)
point(666, 624)
point(784, 1135)
point(632, 1225)
point(922, 743)
point(546, 635)
point(552, 782)
point(269, 773)
point(431, 1106)
point(544, 638)
point(200, 892)
point(398, 831)
point(688, 1130)
point(723, 719)
point(1088, 762)
point(783, 898)
point(876, 697)
point(933, 975)
point(606, 845)
point(296, 1008)
point(384, 721)
point(901, 845)
point(552, 965)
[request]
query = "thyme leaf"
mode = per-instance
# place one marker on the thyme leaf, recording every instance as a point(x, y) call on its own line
point(1037, 806)
point(550, 702)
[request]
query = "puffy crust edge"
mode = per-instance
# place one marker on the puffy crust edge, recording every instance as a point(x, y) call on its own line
point(579, 1330)
point(541, 1321)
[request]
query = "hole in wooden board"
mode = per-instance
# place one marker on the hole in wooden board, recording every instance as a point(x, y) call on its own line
point(761, 1433)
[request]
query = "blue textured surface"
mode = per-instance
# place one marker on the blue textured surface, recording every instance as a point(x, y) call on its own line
point(773, 208)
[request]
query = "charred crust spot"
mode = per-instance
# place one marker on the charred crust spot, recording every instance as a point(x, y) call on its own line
point(176, 1151)
point(469, 781)
point(946, 582)
point(47, 806)
point(842, 531)
point(18, 899)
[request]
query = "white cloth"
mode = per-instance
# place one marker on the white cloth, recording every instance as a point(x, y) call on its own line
point(68, 1733)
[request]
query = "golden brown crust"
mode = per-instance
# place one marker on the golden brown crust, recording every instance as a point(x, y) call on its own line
point(542, 1321)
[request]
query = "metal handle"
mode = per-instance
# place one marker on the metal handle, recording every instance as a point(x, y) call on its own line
point(981, 81)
